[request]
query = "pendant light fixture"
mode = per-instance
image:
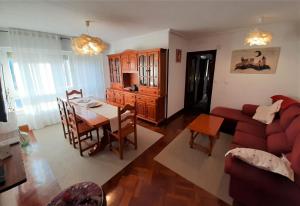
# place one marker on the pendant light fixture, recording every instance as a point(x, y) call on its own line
point(88, 45)
point(258, 37)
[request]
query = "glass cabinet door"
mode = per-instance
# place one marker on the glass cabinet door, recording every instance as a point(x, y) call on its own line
point(153, 69)
point(111, 70)
point(117, 69)
point(142, 64)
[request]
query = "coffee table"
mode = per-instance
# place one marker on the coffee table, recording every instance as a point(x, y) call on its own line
point(207, 125)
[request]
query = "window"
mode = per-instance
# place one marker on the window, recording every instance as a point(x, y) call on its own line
point(15, 74)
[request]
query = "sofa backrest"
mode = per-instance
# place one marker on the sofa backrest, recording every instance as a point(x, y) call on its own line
point(288, 115)
point(292, 131)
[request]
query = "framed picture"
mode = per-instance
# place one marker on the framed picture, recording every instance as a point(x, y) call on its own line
point(255, 61)
point(178, 55)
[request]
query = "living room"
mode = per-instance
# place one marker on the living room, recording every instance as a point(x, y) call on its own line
point(210, 91)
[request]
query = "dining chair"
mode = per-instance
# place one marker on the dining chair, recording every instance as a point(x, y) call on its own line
point(64, 119)
point(126, 126)
point(80, 131)
point(74, 94)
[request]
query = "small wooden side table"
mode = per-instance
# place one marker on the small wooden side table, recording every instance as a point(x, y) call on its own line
point(207, 125)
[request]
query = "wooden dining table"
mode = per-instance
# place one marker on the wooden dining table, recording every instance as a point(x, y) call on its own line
point(96, 121)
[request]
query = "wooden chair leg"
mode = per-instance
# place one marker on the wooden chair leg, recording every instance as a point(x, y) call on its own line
point(121, 148)
point(80, 147)
point(98, 138)
point(109, 142)
point(73, 140)
point(64, 129)
point(91, 135)
point(135, 139)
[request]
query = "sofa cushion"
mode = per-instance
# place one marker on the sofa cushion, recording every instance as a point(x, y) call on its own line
point(233, 114)
point(287, 101)
point(249, 109)
point(277, 143)
point(273, 128)
point(247, 140)
point(288, 115)
point(253, 129)
point(264, 160)
point(293, 130)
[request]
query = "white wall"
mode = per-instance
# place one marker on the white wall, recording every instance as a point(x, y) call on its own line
point(233, 90)
point(158, 39)
point(176, 77)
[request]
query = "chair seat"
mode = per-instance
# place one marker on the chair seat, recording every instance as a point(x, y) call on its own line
point(84, 128)
point(128, 129)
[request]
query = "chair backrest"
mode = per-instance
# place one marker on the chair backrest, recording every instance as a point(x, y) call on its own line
point(126, 118)
point(62, 111)
point(72, 119)
point(74, 94)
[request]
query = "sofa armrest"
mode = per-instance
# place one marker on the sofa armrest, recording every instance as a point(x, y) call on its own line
point(249, 109)
point(260, 179)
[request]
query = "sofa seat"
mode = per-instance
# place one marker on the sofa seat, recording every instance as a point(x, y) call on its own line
point(250, 141)
point(253, 129)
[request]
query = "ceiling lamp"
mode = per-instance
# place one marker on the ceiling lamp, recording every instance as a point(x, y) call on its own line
point(258, 37)
point(88, 45)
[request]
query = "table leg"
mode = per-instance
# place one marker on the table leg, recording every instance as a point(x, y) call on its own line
point(211, 144)
point(193, 136)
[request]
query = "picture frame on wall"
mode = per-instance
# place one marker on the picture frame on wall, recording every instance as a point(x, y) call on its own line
point(255, 61)
point(178, 55)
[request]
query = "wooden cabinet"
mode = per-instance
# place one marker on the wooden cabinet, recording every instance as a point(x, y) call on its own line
point(115, 71)
point(119, 98)
point(129, 62)
point(146, 68)
point(129, 98)
point(110, 96)
point(152, 71)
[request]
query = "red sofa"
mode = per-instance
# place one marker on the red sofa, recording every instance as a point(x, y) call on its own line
point(250, 185)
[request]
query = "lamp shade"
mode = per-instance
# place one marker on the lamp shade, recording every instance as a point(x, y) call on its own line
point(88, 45)
point(259, 38)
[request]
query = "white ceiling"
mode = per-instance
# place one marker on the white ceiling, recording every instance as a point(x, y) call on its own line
point(117, 20)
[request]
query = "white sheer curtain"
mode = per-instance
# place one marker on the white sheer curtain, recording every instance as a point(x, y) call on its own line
point(87, 74)
point(43, 72)
point(39, 73)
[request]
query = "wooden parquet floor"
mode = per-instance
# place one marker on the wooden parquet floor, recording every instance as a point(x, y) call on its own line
point(144, 182)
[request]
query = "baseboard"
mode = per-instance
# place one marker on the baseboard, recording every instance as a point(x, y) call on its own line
point(172, 117)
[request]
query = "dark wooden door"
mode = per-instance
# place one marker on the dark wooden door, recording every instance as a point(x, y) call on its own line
point(199, 80)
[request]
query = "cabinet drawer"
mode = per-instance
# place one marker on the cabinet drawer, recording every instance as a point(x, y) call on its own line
point(149, 90)
point(151, 101)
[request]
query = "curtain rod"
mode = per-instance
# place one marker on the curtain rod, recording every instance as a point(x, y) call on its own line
point(4, 31)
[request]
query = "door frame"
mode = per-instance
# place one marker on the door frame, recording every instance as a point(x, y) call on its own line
point(188, 58)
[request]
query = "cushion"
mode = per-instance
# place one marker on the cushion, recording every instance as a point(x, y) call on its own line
point(278, 144)
point(247, 140)
point(80, 194)
point(288, 115)
point(249, 109)
point(253, 129)
point(266, 114)
point(273, 128)
point(293, 130)
point(264, 160)
point(287, 101)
